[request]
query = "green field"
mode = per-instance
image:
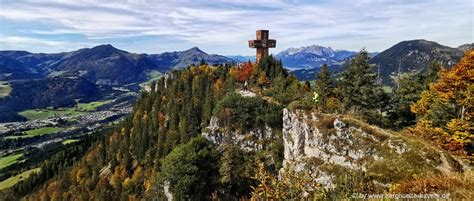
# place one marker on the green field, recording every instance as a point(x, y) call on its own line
point(42, 131)
point(17, 178)
point(36, 132)
point(387, 89)
point(2, 128)
point(69, 141)
point(80, 108)
point(5, 89)
point(92, 106)
point(152, 76)
point(9, 160)
point(46, 113)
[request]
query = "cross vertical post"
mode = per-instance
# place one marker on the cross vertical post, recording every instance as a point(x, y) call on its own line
point(262, 43)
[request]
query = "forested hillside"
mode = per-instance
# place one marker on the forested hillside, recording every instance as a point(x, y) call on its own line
point(158, 151)
point(177, 109)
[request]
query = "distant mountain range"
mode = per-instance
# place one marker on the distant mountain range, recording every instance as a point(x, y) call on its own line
point(103, 64)
point(308, 57)
point(58, 80)
point(312, 56)
point(413, 56)
point(241, 58)
point(176, 60)
point(10, 68)
point(406, 56)
point(102, 67)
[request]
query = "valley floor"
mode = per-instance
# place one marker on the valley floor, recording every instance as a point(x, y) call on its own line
point(49, 128)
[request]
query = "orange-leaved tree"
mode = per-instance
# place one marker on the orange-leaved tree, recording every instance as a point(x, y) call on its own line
point(245, 72)
point(446, 109)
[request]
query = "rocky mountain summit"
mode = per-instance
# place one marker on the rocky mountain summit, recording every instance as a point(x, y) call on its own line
point(313, 56)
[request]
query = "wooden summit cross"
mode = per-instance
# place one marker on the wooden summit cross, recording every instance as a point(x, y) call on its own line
point(262, 44)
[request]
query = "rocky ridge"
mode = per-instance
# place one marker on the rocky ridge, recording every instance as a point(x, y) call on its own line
point(327, 145)
point(252, 140)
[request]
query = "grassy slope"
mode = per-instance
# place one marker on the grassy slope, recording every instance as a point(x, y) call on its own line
point(37, 132)
point(2, 128)
point(46, 113)
point(9, 160)
point(17, 178)
point(42, 131)
point(92, 106)
point(5, 89)
point(69, 141)
point(80, 108)
point(152, 76)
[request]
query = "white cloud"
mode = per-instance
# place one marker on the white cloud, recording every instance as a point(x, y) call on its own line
point(40, 45)
point(23, 40)
point(227, 24)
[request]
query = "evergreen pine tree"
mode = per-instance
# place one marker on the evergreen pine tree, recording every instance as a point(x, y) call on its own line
point(407, 92)
point(324, 85)
point(361, 91)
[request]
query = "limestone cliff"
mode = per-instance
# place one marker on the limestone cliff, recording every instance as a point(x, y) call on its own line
point(335, 148)
point(254, 139)
point(328, 146)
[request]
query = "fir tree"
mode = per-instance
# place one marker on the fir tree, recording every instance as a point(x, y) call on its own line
point(407, 92)
point(361, 91)
point(324, 85)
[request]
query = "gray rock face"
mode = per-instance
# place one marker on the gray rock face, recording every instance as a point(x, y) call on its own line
point(322, 144)
point(168, 194)
point(302, 140)
point(252, 140)
point(328, 146)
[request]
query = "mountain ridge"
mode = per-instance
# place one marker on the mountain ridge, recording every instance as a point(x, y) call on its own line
point(312, 56)
point(97, 68)
point(49, 62)
point(413, 56)
point(408, 56)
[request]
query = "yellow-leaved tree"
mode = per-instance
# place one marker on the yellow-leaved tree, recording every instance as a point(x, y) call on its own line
point(290, 185)
point(446, 109)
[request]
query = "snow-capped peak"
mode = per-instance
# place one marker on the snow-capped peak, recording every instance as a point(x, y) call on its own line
point(313, 49)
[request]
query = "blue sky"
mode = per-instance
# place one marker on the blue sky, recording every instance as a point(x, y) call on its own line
point(224, 26)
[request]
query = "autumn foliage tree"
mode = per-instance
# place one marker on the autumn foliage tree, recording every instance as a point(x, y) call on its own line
point(447, 107)
point(245, 72)
point(291, 185)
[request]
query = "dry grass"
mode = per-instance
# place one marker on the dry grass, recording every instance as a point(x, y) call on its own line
point(415, 169)
point(325, 122)
point(460, 185)
point(380, 134)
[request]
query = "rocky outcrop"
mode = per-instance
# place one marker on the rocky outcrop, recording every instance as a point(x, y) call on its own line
point(252, 140)
point(303, 139)
point(326, 145)
point(166, 189)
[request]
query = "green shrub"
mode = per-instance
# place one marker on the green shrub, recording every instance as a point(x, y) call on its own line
point(245, 113)
point(191, 170)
